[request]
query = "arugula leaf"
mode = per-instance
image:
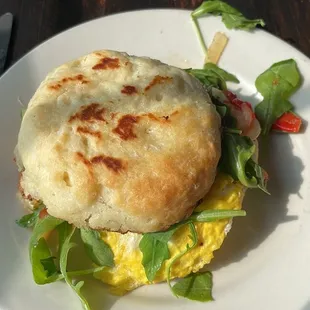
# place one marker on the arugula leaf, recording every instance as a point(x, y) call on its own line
point(49, 264)
point(196, 286)
point(84, 272)
point(221, 110)
point(39, 250)
point(229, 123)
point(46, 269)
point(231, 17)
point(66, 231)
point(276, 85)
point(232, 130)
point(259, 173)
point(29, 220)
point(200, 36)
point(213, 76)
point(237, 150)
point(43, 266)
point(214, 215)
point(99, 252)
point(154, 247)
point(43, 226)
point(236, 160)
point(193, 236)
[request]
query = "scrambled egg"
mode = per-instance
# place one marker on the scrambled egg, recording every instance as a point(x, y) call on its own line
point(128, 272)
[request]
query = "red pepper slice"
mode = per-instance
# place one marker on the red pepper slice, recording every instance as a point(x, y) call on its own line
point(288, 122)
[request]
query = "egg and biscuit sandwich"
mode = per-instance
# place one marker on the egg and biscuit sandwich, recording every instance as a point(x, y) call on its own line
point(129, 152)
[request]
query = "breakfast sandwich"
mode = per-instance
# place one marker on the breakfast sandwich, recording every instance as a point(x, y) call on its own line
point(144, 165)
point(141, 159)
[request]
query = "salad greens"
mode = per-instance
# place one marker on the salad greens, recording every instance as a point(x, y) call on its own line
point(47, 267)
point(43, 265)
point(276, 85)
point(99, 252)
point(66, 232)
point(39, 250)
point(154, 246)
point(194, 238)
point(213, 76)
point(29, 220)
point(237, 150)
point(231, 17)
point(196, 286)
point(236, 160)
point(214, 215)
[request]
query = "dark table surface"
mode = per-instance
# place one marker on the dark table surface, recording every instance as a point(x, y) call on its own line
point(38, 20)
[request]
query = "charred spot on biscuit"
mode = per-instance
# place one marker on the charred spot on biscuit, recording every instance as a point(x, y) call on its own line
point(111, 163)
point(89, 113)
point(79, 78)
point(107, 63)
point(125, 127)
point(129, 90)
point(88, 131)
point(158, 80)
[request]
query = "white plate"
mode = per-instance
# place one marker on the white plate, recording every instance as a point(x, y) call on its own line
point(265, 261)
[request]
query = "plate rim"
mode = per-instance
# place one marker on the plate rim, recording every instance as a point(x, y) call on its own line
point(296, 52)
point(84, 23)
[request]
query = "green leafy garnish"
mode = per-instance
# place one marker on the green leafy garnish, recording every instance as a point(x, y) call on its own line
point(39, 251)
point(259, 174)
point(29, 220)
point(236, 160)
point(276, 85)
point(237, 150)
point(44, 269)
point(84, 272)
point(66, 232)
point(154, 247)
point(231, 17)
point(213, 76)
point(49, 264)
point(229, 123)
point(99, 252)
point(196, 286)
point(221, 110)
point(193, 236)
point(214, 215)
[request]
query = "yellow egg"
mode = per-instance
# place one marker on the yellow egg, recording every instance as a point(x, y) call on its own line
point(128, 272)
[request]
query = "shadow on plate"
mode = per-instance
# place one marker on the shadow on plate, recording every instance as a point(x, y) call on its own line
point(95, 291)
point(306, 306)
point(264, 212)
